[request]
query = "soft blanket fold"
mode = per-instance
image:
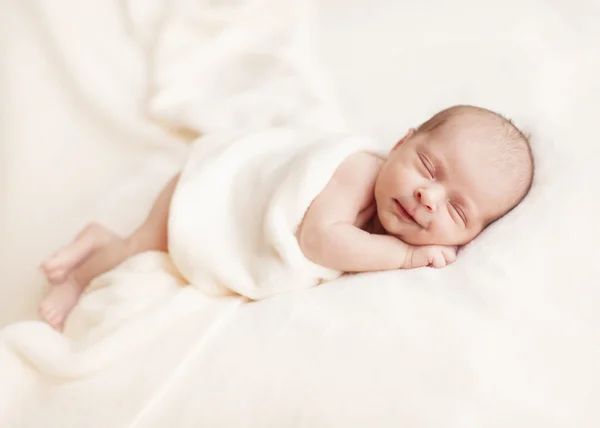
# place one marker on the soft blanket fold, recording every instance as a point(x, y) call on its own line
point(211, 67)
point(506, 336)
point(239, 202)
point(223, 66)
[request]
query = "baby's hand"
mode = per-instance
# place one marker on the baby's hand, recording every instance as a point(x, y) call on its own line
point(430, 255)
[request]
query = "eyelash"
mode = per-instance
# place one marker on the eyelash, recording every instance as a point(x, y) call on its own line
point(427, 166)
point(431, 172)
point(459, 213)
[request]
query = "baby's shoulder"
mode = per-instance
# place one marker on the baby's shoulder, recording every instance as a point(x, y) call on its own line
point(362, 162)
point(358, 170)
point(359, 166)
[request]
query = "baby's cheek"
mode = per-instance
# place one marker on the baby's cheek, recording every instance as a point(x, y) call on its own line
point(444, 229)
point(407, 180)
point(395, 178)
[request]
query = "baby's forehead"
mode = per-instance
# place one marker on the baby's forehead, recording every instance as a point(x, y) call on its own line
point(471, 164)
point(461, 137)
point(463, 152)
point(467, 127)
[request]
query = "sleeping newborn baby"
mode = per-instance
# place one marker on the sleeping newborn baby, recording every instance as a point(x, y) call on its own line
point(438, 188)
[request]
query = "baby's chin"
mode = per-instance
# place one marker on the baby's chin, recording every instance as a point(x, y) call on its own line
point(420, 239)
point(424, 237)
point(405, 233)
point(413, 235)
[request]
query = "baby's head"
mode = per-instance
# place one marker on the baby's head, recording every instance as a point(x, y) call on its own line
point(444, 182)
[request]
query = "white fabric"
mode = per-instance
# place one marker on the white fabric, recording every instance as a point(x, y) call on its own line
point(238, 205)
point(507, 336)
point(218, 63)
point(242, 194)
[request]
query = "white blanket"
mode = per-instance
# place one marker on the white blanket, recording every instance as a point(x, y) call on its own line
point(246, 78)
point(238, 205)
point(234, 213)
point(506, 336)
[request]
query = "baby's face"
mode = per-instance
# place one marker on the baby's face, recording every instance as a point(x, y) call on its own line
point(440, 188)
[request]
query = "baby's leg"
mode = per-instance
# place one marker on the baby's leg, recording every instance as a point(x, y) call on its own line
point(97, 250)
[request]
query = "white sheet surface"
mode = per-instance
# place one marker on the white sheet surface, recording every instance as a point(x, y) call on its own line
point(507, 336)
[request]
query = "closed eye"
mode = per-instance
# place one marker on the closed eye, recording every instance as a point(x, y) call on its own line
point(459, 212)
point(428, 166)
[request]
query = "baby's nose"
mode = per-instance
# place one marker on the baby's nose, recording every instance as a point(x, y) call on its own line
point(427, 198)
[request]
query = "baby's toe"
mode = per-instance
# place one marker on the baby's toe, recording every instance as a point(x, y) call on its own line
point(57, 276)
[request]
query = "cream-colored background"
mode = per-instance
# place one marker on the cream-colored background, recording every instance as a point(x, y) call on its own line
point(507, 337)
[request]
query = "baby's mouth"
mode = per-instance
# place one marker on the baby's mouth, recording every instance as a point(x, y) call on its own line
point(403, 213)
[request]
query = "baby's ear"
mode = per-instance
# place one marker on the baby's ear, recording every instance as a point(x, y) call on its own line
point(409, 134)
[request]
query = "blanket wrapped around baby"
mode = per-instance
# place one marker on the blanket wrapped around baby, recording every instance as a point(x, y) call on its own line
point(220, 66)
point(238, 205)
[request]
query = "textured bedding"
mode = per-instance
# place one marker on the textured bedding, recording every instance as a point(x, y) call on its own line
point(100, 103)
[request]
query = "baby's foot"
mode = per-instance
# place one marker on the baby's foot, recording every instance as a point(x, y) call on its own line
point(57, 305)
point(95, 251)
point(58, 267)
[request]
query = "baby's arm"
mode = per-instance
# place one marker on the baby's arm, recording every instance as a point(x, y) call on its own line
point(329, 234)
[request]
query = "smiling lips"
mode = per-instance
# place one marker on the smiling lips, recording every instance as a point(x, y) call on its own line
point(403, 213)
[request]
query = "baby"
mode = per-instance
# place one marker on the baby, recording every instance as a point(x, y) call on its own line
point(440, 186)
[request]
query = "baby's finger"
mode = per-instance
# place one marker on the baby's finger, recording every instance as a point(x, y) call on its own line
point(438, 260)
point(449, 255)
